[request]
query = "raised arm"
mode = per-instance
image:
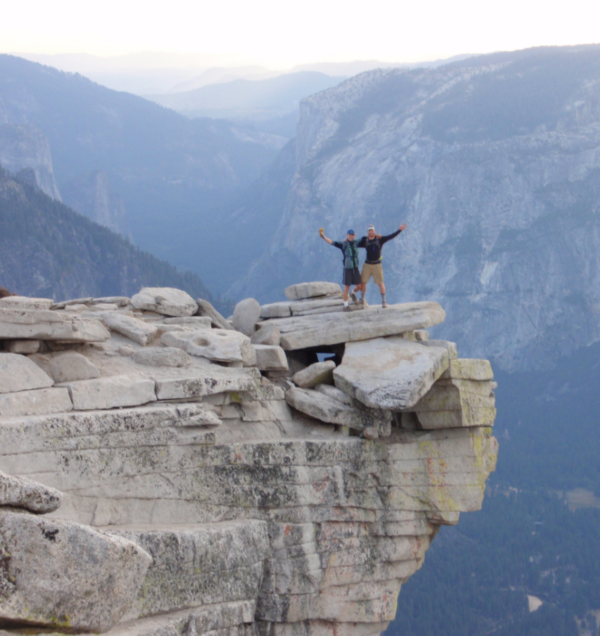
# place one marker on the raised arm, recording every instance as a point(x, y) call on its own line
point(322, 235)
point(384, 239)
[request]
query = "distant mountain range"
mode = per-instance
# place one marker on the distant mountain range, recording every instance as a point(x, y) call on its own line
point(248, 99)
point(165, 171)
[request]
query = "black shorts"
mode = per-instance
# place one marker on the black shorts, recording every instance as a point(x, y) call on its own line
point(351, 276)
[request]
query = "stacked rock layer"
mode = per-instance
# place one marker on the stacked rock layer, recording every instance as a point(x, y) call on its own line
point(281, 473)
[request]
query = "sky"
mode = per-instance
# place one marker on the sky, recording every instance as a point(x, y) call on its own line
point(280, 33)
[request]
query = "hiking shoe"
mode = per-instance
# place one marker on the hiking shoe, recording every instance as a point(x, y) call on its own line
point(353, 297)
point(348, 308)
point(383, 305)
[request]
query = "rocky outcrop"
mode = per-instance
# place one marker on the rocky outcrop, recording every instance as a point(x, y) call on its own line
point(24, 151)
point(93, 196)
point(193, 493)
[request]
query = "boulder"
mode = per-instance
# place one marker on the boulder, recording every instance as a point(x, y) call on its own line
point(302, 332)
point(109, 393)
point(206, 309)
point(245, 316)
point(468, 369)
point(17, 324)
point(317, 373)
point(37, 402)
point(64, 575)
point(311, 290)
point(24, 347)
point(327, 409)
point(267, 334)
point(167, 301)
point(213, 344)
point(66, 366)
point(130, 327)
point(18, 373)
point(20, 492)
point(24, 302)
point(335, 394)
point(162, 357)
point(270, 358)
point(389, 373)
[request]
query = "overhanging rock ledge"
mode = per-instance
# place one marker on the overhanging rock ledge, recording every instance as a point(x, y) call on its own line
point(190, 487)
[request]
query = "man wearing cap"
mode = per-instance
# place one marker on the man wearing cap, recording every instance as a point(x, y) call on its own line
point(373, 267)
point(349, 249)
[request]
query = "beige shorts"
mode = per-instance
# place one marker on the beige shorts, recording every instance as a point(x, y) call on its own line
point(376, 271)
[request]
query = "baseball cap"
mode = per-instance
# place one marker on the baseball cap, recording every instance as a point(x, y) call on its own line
point(350, 232)
point(371, 227)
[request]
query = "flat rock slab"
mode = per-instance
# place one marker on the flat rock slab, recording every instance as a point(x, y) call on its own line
point(198, 322)
point(311, 290)
point(198, 383)
point(206, 309)
point(162, 357)
point(113, 392)
point(20, 492)
point(17, 324)
point(214, 344)
point(317, 373)
point(330, 410)
point(66, 366)
point(24, 302)
point(37, 402)
point(271, 358)
point(61, 574)
point(389, 373)
point(469, 369)
point(18, 373)
point(302, 332)
point(167, 301)
point(130, 327)
point(227, 565)
point(245, 316)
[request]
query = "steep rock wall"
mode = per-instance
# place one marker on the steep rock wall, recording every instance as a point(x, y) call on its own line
point(493, 163)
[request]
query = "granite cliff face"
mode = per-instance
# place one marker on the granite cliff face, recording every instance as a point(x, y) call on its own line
point(25, 148)
point(205, 476)
point(493, 163)
point(92, 195)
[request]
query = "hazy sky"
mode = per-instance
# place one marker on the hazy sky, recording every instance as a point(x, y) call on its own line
point(281, 33)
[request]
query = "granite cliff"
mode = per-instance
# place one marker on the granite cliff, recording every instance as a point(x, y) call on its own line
point(167, 471)
point(493, 163)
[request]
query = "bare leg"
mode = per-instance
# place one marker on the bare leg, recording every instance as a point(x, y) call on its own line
point(346, 290)
point(382, 291)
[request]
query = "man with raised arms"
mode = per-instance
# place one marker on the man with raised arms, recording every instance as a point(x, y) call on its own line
point(373, 266)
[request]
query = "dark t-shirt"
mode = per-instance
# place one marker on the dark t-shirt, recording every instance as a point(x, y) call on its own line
point(374, 246)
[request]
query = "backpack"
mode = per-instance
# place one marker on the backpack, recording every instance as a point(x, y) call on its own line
point(350, 255)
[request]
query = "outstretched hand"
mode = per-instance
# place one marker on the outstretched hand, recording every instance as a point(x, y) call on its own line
point(403, 227)
point(322, 232)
